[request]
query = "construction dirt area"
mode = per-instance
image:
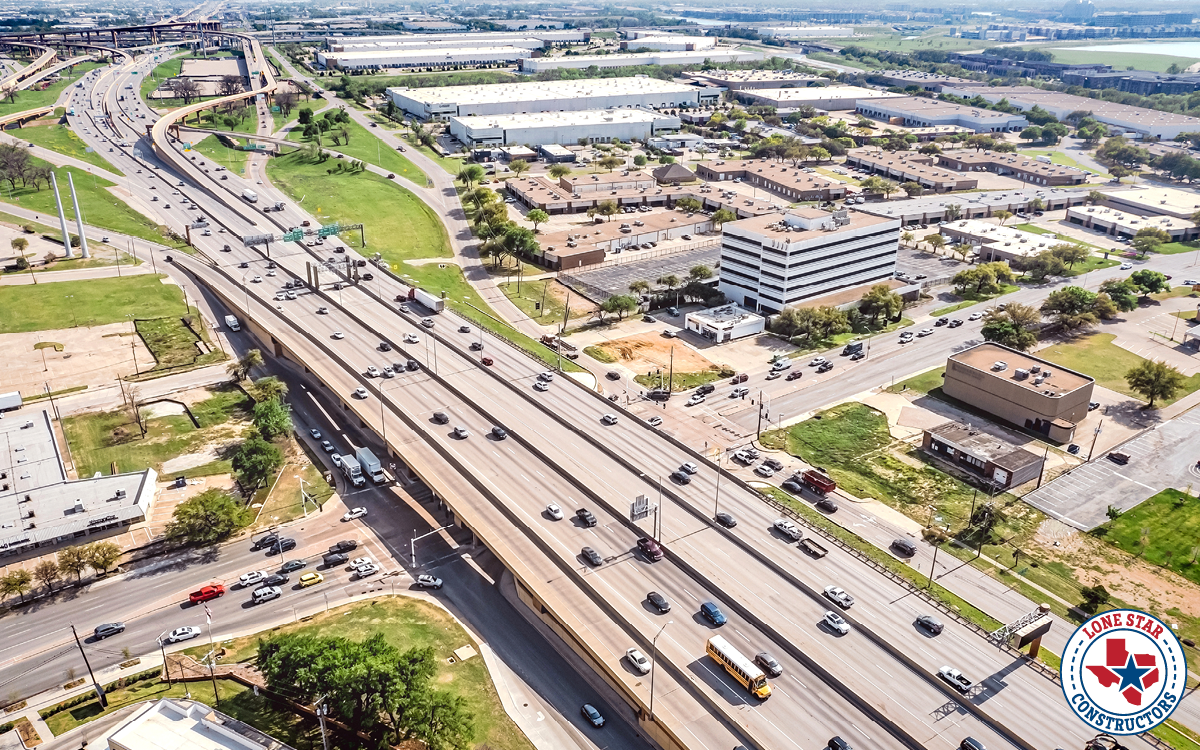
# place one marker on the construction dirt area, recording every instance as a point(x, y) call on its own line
point(647, 352)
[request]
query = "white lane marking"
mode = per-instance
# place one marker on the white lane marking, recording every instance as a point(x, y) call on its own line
point(801, 684)
point(860, 731)
point(881, 669)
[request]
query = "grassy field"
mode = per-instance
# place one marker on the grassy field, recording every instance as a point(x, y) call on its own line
point(168, 69)
point(94, 302)
point(1171, 522)
point(409, 623)
point(35, 99)
point(548, 293)
point(971, 298)
point(1060, 158)
point(1096, 355)
point(1174, 248)
point(61, 139)
point(366, 147)
point(174, 344)
point(682, 381)
point(910, 44)
point(923, 383)
point(1120, 60)
point(100, 439)
point(234, 160)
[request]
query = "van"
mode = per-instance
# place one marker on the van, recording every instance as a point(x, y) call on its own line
point(232, 323)
point(854, 347)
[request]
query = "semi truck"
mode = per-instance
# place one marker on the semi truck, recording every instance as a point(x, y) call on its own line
point(250, 195)
point(232, 323)
point(818, 482)
point(351, 469)
point(370, 465)
point(433, 302)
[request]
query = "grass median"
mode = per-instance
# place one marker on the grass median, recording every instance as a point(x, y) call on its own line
point(365, 146)
point(62, 140)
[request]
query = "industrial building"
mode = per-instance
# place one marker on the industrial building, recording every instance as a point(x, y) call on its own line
point(577, 194)
point(737, 80)
point(908, 78)
point(589, 244)
point(1020, 389)
point(461, 41)
point(1134, 120)
point(772, 261)
point(421, 58)
point(1117, 223)
point(590, 125)
point(994, 242)
point(1157, 201)
point(780, 178)
point(1000, 460)
point(828, 98)
point(911, 167)
point(1038, 171)
point(930, 209)
point(724, 323)
point(807, 32)
point(670, 43)
point(548, 38)
point(582, 62)
point(444, 102)
point(40, 506)
point(1141, 82)
point(919, 112)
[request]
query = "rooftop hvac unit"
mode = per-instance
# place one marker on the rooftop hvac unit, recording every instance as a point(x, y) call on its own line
point(1035, 369)
point(1046, 373)
point(1021, 374)
point(121, 494)
point(999, 366)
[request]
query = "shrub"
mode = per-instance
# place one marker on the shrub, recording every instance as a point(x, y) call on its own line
point(6, 727)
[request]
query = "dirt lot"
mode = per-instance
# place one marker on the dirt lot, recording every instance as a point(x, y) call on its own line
point(649, 351)
point(90, 356)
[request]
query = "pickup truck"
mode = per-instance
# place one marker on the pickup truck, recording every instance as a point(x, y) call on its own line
point(788, 528)
point(208, 592)
point(813, 548)
point(956, 679)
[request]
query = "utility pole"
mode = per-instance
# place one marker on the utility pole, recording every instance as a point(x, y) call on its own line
point(212, 658)
point(671, 378)
point(321, 711)
point(1095, 436)
point(86, 663)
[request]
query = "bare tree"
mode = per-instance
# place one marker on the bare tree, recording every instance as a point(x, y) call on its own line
point(286, 101)
point(185, 89)
point(230, 85)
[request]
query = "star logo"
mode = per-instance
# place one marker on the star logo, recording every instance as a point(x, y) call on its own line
point(1131, 673)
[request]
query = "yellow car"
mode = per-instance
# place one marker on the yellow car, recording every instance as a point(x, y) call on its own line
point(311, 579)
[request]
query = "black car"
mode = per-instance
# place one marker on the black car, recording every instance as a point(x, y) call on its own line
point(792, 486)
point(659, 602)
point(769, 663)
point(385, 346)
point(292, 565)
point(931, 623)
point(681, 477)
point(592, 715)
point(368, 276)
point(904, 547)
point(592, 556)
point(726, 520)
point(499, 432)
point(612, 375)
point(266, 541)
point(774, 464)
point(441, 417)
point(344, 546)
point(281, 546)
point(109, 628)
point(940, 322)
point(955, 323)
point(586, 517)
point(837, 743)
point(335, 559)
point(825, 367)
point(827, 505)
point(244, 264)
point(274, 580)
point(706, 389)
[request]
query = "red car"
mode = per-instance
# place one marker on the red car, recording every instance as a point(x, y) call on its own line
point(206, 593)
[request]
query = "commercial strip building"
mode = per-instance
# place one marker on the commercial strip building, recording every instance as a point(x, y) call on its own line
point(444, 102)
point(714, 55)
point(591, 243)
point(558, 197)
point(421, 58)
point(738, 80)
point(1117, 223)
point(724, 323)
point(919, 112)
point(1141, 82)
point(994, 242)
point(1001, 461)
point(905, 167)
point(1134, 120)
point(1019, 389)
point(187, 725)
point(1156, 201)
point(592, 125)
point(930, 209)
point(1024, 168)
point(919, 78)
point(772, 261)
point(827, 98)
point(41, 507)
point(789, 182)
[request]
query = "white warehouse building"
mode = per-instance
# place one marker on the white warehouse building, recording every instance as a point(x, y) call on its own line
point(421, 58)
point(444, 102)
point(548, 38)
point(723, 55)
point(671, 43)
point(416, 42)
point(542, 128)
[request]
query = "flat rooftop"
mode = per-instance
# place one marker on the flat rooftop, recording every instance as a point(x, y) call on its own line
point(563, 119)
point(778, 172)
point(775, 227)
point(543, 90)
point(725, 316)
point(724, 77)
point(917, 165)
point(1139, 116)
point(1015, 241)
point(215, 67)
point(823, 93)
point(1129, 221)
point(1159, 200)
point(985, 445)
point(995, 199)
point(919, 105)
point(1015, 161)
point(603, 178)
point(588, 235)
point(500, 40)
point(984, 356)
point(919, 76)
point(391, 53)
point(174, 724)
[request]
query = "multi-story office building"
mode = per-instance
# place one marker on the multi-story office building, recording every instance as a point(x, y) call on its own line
point(772, 261)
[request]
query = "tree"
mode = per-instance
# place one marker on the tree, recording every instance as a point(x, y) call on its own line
point(953, 212)
point(912, 189)
point(670, 281)
point(1007, 333)
point(229, 85)
point(73, 560)
point(619, 305)
point(185, 89)
point(985, 278)
point(537, 216)
point(1003, 216)
point(1149, 282)
point(688, 203)
point(272, 418)
point(269, 388)
point(518, 166)
point(721, 216)
point(1123, 292)
point(907, 238)
point(470, 174)
point(880, 300)
point(936, 241)
point(558, 171)
point(240, 369)
point(639, 287)
point(1094, 597)
point(47, 573)
point(930, 149)
point(305, 115)
point(17, 581)
point(1031, 133)
point(610, 162)
point(209, 517)
point(640, 160)
point(286, 101)
point(1071, 308)
point(1095, 196)
point(1155, 380)
point(19, 244)
point(102, 555)
point(607, 209)
point(1070, 253)
point(1148, 239)
point(700, 273)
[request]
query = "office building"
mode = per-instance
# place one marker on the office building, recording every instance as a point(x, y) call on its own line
point(724, 323)
point(187, 725)
point(444, 102)
point(40, 506)
point(789, 182)
point(772, 261)
point(1141, 82)
point(994, 242)
point(902, 166)
point(828, 98)
point(588, 244)
point(1036, 171)
point(919, 112)
point(998, 459)
point(1020, 389)
point(930, 209)
point(582, 62)
point(590, 125)
point(1117, 223)
point(1157, 200)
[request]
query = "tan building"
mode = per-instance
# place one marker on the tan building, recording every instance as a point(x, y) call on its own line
point(794, 183)
point(920, 169)
point(998, 460)
point(1020, 167)
point(1020, 389)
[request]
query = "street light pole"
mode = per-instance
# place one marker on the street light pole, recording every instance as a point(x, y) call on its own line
point(717, 497)
point(653, 656)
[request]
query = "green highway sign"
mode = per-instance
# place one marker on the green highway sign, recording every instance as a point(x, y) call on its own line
point(293, 236)
point(329, 230)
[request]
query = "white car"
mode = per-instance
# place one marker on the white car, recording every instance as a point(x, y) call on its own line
point(360, 392)
point(836, 622)
point(322, 311)
point(925, 332)
point(554, 511)
point(1126, 266)
point(690, 467)
point(269, 273)
point(638, 660)
point(354, 513)
point(366, 570)
point(838, 596)
point(696, 399)
point(541, 385)
point(251, 578)
point(654, 421)
point(316, 434)
point(338, 335)
point(186, 633)
point(372, 371)
point(359, 562)
point(764, 471)
point(817, 361)
point(256, 280)
point(546, 376)
point(427, 581)
point(975, 316)
point(609, 419)
point(411, 338)
point(788, 528)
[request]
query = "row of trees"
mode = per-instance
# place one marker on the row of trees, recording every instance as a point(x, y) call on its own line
point(99, 556)
point(16, 165)
point(371, 687)
point(670, 288)
point(807, 326)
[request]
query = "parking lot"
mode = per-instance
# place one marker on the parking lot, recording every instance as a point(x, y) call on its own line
point(914, 263)
point(617, 278)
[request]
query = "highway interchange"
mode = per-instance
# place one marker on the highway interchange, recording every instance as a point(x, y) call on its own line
point(875, 686)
